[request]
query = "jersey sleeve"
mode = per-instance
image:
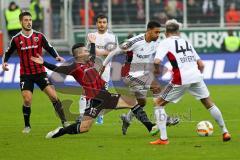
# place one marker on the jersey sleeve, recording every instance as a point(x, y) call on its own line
point(128, 45)
point(60, 69)
point(161, 51)
point(10, 50)
point(92, 52)
point(48, 47)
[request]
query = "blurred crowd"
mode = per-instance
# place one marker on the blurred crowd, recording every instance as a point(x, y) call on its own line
point(11, 15)
point(134, 11)
point(124, 12)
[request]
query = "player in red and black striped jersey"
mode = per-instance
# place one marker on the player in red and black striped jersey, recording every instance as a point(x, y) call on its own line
point(83, 71)
point(28, 43)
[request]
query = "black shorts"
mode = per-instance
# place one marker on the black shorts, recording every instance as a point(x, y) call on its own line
point(104, 100)
point(27, 81)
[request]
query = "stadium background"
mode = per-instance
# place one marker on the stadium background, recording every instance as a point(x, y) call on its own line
point(63, 26)
point(68, 21)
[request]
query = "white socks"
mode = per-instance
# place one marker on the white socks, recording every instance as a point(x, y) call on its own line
point(217, 115)
point(161, 119)
point(130, 116)
point(82, 104)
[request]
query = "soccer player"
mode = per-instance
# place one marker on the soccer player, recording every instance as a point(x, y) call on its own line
point(105, 42)
point(187, 70)
point(83, 71)
point(137, 74)
point(29, 43)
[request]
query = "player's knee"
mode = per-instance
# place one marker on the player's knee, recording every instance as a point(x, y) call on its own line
point(27, 100)
point(141, 102)
point(207, 102)
point(84, 129)
point(156, 90)
point(159, 101)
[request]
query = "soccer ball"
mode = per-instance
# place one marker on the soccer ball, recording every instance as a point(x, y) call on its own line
point(204, 128)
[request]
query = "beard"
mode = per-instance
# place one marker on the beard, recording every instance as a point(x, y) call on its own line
point(27, 28)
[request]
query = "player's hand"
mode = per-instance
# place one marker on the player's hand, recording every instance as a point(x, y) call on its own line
point(60, 59)
point(4, 66)
point(37, 59)
point(91, 38)
point(102, 70)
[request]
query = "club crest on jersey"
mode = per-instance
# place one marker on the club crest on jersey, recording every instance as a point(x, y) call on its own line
point(21, 42)
point(36, 39)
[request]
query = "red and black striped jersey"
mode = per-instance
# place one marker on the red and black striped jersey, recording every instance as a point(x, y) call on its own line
point(84, 73)
point(27, 46)
point(89, 78)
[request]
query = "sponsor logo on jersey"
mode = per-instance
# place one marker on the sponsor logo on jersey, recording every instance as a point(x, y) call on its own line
point(29, 47)
point(143, 56)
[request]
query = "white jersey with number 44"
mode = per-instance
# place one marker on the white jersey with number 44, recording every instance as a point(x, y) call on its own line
point(183, 59)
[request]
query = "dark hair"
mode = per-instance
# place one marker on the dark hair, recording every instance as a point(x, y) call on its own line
point(153, 24)
point(25, 13)
point(101, 16)
point(77, 45)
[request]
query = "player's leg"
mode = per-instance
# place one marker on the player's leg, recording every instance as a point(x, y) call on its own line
point(171, 93)
point(156, 91)
point(51, 93)
point(161, 120)
point(106, 77)
point(82, 106)
point(75, 128)
point(45, 85)
point(139, 113)
point(26, 86)
point(26, 109)
point(79, 127)
point(200, 91)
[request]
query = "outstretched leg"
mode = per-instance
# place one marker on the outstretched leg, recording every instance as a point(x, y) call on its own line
point(217, 115)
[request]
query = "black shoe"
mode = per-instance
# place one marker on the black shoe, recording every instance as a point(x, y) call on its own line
point(171, 121)
point(125, 124)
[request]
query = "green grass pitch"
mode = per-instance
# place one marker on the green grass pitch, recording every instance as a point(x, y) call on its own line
point(107, 142)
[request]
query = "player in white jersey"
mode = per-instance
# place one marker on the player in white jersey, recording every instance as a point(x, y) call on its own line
point(105, 42)
point(187, 70)
point(140, 77)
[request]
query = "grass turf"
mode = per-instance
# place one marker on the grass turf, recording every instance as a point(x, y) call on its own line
point(107, 142)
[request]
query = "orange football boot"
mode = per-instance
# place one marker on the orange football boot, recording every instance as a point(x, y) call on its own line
point(160, 142)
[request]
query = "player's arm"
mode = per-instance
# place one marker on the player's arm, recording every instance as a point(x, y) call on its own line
point(161, 52)
point(12, 47)
point(100, 52)
point(111, 55)
point(109, 58)
point(92, 40)
point(123, 48)
point(198, 59)
point(200, 65)
point(60, 69)
point(49, 48)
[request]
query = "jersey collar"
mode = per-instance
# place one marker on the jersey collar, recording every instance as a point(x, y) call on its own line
point(28, 35)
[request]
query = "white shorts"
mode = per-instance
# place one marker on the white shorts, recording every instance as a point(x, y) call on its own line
point(173, 93)
point(138, 86)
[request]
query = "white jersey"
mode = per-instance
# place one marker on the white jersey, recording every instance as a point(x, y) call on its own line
point(143, 54)
point(183, 59)
point(102, 40)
